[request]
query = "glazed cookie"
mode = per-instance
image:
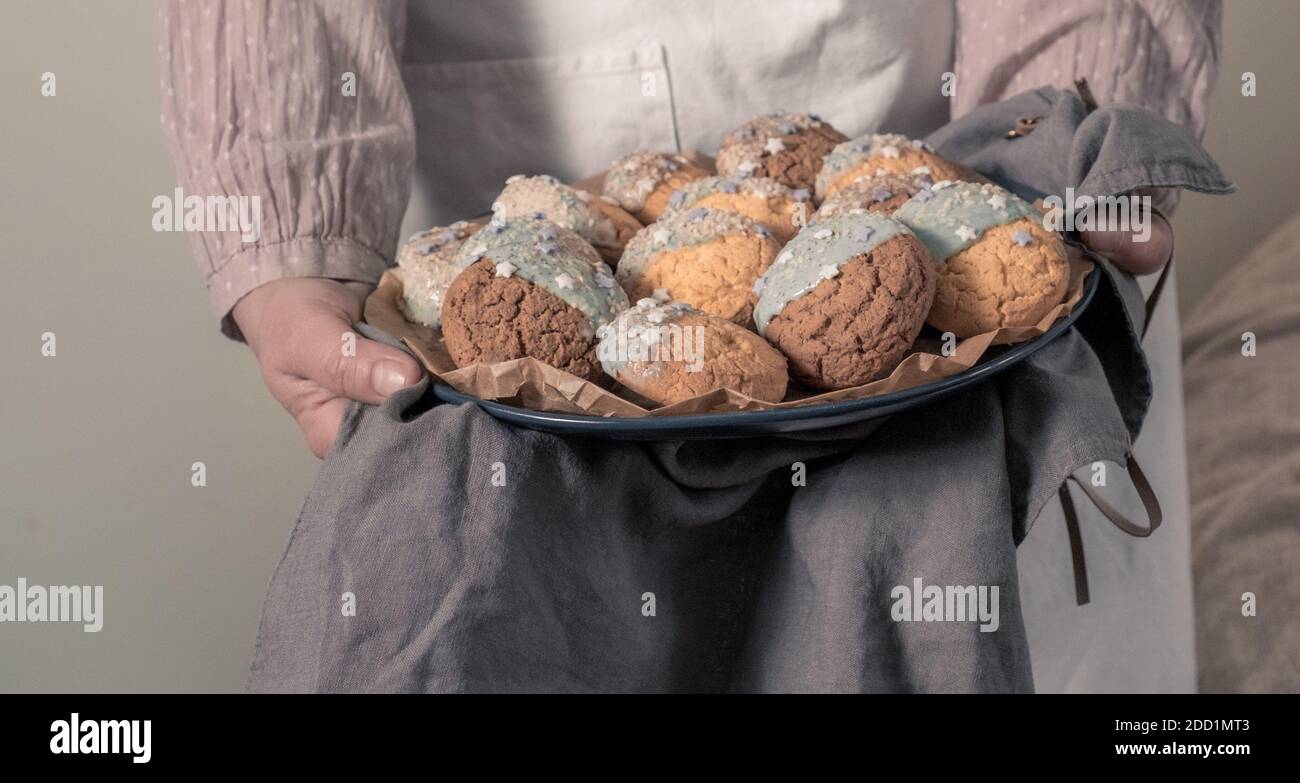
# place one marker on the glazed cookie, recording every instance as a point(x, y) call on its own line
point(880, 153)
point(672, 352)
point(597, 219)
point(882, 193)
point(704, 257)
point(526, 291)
point(760, 199)
point(426, 265)
point(845, 299)
point(642, 182)
point(785, 147)
point(998, 265)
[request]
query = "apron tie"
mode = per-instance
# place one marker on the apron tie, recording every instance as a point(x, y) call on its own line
point(1150, 503)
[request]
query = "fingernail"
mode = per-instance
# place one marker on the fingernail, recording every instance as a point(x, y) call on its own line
point(388, 377)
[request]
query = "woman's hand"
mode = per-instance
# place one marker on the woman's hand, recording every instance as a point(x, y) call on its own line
point(1134, 257)
point(299, 330)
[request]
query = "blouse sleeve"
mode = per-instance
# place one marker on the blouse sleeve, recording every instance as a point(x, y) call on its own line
point(1163, 54)
point(298, 107)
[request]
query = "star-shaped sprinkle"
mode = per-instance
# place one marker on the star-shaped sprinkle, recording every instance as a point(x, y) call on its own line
point(425, 250)
point(966, 233)
point(881, 194)
point(923, 196)
point(757, 288)
point(825, 233)
point(698, 214)
point(1022, 237)
point(677, 199)
point(645, 303)
point(646, 183)
point(773, 146)
point(828, 271)
point(863, 233)
point(998, 201)
point(889, 151)
point(563, 281)
point(662, 236)
point(506, 269)
point(747, 167)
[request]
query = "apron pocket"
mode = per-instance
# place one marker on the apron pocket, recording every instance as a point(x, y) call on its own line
point(479, 122)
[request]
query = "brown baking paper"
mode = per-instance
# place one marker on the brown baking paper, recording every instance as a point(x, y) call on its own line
point(531, 384)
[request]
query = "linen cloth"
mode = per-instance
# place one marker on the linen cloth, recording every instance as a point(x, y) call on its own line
point(545, 582)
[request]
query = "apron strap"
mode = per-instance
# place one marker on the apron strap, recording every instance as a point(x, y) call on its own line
point(1150, 503)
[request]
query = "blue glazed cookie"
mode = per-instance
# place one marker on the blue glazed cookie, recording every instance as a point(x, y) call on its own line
point(998, 265)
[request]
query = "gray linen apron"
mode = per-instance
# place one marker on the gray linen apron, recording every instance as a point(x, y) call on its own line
point(480, 557)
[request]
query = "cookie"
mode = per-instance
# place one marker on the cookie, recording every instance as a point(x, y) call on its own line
point(672, 352)
point(704, 257)
point(880, 153)
point(846, 299)
point(882, 193)
point(426, 265)
point(597, 219)
point(788, 148)
point(642, 182)
point(761, 199)
point(526, 290)
point(998, 265)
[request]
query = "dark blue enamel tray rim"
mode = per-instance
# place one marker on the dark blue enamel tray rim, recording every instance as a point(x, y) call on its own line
point(735, 424)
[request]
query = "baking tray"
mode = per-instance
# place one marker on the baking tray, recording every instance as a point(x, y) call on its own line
point(748, 424)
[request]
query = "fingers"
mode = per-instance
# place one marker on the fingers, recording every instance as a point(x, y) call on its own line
point(320, 424)
point(312, 359)
point(1136, 253)
point(326, 349)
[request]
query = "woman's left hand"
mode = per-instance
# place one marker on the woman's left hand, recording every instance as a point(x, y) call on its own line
point(1129, 252)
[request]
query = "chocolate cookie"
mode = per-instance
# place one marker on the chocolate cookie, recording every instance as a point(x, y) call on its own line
point(526, 290)
point(882, 193)
point(426, 265)
point(998, 265)
point(642, 182)
point(880, 153)
point(597, 219)
point(785, 147)
point(760, 199)
point(846, 299)
point(704, 257)
point(672, 352)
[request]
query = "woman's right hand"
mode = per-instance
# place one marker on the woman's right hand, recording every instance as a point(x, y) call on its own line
point(299, 330)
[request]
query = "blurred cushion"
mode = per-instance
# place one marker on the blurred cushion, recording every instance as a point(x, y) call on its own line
point(1243, 442)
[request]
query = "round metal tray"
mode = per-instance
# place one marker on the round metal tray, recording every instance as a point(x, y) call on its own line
point(743, 424)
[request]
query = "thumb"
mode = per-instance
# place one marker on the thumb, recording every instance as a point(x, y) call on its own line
point(364, 370)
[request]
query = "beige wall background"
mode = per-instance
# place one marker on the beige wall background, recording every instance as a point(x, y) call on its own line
point(98, 441)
